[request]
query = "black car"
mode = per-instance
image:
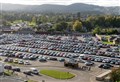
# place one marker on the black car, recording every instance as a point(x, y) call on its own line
point(42, 60)
point(54, 59)
point(106, 66)
point(8, 67)
point(16, 69)
point(28, 72)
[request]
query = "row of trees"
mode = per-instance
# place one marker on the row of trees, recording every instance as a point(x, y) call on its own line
point(108, 31)
point(102, 21)
point(69, 22)
point(63, 26)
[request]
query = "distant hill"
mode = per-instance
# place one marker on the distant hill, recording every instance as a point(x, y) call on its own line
point(73, 8)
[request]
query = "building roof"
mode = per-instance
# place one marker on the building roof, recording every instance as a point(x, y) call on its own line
point(117, 39)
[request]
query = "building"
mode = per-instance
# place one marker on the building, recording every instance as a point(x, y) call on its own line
point(111, 38)
point(116, 40)
point(6, 29)
point(26, 31)
point(45, 27)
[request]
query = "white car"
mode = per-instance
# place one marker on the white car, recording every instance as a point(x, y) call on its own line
point(27, 63)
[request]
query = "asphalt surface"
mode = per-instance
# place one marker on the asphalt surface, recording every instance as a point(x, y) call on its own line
point(80, 75)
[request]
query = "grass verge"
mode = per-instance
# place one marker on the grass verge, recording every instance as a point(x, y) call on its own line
point(57, 74)
point(31, 81)
point(105, 42)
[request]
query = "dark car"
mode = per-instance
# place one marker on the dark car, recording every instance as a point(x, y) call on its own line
point(6, 60)
point(89, 63)
point(32, 58)
point(42, 60)
point(16, 69)
point(54, 59)
point(61, 60)
point(28, 72)
point(8, 67)
point(106, 66)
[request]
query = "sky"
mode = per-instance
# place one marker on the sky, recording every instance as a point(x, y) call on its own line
point(64, 2)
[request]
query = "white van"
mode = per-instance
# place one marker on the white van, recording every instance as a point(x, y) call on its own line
point(34, 71)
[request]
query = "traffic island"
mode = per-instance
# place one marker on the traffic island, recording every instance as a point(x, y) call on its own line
point(57, 74)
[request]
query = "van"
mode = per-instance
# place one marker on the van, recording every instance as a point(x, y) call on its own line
point(34, 71)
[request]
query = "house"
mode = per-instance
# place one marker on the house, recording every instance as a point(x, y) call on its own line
point(116, 40)
point(111, 38)
point(100, 37)
point(15, 27)
point(27, 30)
point(45, 27)
point(6, 29)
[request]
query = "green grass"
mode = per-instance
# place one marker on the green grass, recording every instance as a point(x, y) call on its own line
point(105, 42)
point(8, 73)
point(57, 74)
point(15, 64)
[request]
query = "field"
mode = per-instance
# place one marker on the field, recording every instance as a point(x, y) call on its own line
point(57, 74)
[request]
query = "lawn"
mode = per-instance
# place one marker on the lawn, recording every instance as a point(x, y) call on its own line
point(31, 81)
point(14, 64)
point(105, 42)
point(9, 73)
point(57, 74)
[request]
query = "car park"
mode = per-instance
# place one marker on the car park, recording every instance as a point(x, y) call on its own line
point(39, 51)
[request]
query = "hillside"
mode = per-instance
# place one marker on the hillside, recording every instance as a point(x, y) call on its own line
point(73, 8)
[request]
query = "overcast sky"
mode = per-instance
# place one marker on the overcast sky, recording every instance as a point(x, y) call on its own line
point(64, 2)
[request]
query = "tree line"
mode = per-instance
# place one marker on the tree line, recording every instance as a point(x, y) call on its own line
point(101, 24)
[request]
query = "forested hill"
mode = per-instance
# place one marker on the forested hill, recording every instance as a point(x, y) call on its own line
point(73, 8)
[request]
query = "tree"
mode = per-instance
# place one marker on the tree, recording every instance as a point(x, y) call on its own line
point(34, 20)
point(61, 26)
point(115, 75)
point(77, 26)
point(97, 30)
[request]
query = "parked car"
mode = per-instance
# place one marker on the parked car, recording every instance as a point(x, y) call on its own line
point(106, 66)
point(54, 59)
point(34, 71)
point(42, 60)
point(15, 61)
point(27, 63)
point(89, 63)
point(27, 72)
point(61, 60)
point(16, 69)
point(20, 62)
point(9, 67)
